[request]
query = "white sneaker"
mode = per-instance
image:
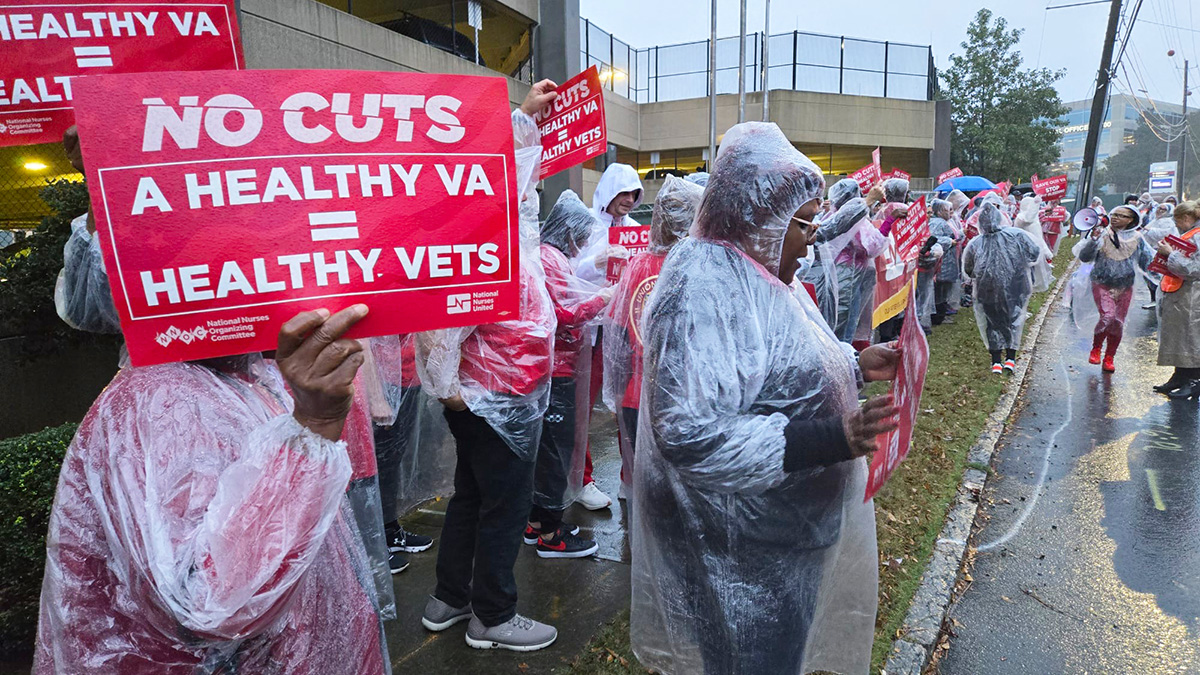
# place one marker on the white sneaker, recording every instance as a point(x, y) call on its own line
point(592, 499)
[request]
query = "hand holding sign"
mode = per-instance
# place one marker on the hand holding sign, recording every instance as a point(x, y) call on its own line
point(319, 367)
point(864, 426)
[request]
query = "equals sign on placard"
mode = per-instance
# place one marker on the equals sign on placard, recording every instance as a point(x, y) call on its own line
point(321, 222)
point(562, 134)
point(93, 57)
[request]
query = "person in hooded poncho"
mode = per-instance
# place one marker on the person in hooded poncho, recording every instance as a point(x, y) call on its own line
point(1116, 253)
point(837, 230)
point(202, 521)
point(558, 476)
point(1028, 220)
point(945, 226)
point(998, 261)
point(674, 210)
point(494, 380)
point(699, 178)
point(1179, 315)
point(854, 267)
point(929, 265)
point(753, 550)
point(618, 192)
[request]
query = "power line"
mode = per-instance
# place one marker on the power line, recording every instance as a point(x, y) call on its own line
point(1079, 4)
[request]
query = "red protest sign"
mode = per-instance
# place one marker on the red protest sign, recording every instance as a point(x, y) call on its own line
point(906, 390)
point(948, 175)
point(635, 239)
point(875, 161)
point(911, 232)
point(1051, 188)
point(893, 276)
point(46, 46)
point(573, 129)
point(867, 177)
point(226, 202)
point(897, 173)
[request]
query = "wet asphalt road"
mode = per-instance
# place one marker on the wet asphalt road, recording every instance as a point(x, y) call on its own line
point(1089, 561)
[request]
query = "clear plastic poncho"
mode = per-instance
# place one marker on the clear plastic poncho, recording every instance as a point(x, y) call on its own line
point(855, 271)
point(1111, 263)
point(699, 178)
point(832, 237)
point(82, 295)
point(739, 567)
point(1028, 220)
point(502, 370)
point(998, 261)
point(617, 178)
point(673, 213)
point(197, 527)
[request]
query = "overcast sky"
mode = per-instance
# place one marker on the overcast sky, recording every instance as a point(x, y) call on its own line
point(1068, 38)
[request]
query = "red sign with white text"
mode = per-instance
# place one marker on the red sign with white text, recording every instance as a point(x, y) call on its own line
point(893, 276)
point(906, 391)
point(45, 46)
point(635, 239)
point(947, 175)
point(911, 232)
point(573, 129)
point(1051, 188)
point(867, 177)
point(897, 173)
point(226, 202)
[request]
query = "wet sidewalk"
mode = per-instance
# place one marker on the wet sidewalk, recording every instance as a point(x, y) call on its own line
point(576, 596)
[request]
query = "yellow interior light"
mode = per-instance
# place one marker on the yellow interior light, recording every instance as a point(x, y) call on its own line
point(36, 166)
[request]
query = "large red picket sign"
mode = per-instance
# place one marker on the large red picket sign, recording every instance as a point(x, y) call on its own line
point(226, 202)
point(893, 277)
point(912, 231)
point(867, 176)
point(46, 46)
point(947, 175)
point(1051, 188)
point(635, 239)
point(906, 389)
point(573, 129)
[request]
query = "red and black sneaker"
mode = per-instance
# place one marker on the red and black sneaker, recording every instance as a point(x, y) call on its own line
point(531, 533)
point(565, 545)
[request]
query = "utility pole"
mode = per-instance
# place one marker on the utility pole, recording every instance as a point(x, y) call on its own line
point(1184, 143)
point(712, 92)
point(766, 65)
point(1096, 120)
point(742, 67)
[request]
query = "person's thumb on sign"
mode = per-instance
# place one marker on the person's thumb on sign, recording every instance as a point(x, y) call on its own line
point(319, 367)
point(539, 97)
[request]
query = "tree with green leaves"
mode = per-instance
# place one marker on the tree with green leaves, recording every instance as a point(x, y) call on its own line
point(1129, 169)
point(1004, 118)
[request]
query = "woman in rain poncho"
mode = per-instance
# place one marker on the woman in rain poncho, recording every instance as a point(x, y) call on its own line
point(1116, 253)
point(202, 521)
point(930, 266)
point(945, 225)
point(494, 380)
point(997, 261)
point(834, 235)
point(1179, 329)
point(855, 269)
point(1161, 225)
point(753, 551)
point(674, 210)
point(558, 476)
point(1028, 220)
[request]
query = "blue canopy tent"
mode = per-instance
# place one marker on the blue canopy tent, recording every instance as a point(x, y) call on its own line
point(966, 184)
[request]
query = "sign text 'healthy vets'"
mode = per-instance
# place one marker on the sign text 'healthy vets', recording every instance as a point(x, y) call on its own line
point(226, 202)
point(573, 129)
point(911, 231)
point(1051, 188)
point(635, 239)
point(46, 46)
point(906, 392)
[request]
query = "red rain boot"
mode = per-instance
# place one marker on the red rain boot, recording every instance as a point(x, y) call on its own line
point(1109, 366)
point(1111, 353)
point(1097, 343)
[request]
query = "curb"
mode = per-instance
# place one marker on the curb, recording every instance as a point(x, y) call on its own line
point(923, 623)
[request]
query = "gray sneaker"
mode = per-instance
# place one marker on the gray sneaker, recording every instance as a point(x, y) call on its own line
point(520, 634)
point(440, 616)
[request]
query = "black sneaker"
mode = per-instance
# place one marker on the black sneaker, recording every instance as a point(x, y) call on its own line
point(399, 539)
point(398, 562)
point(565, 545)
point(531, 534)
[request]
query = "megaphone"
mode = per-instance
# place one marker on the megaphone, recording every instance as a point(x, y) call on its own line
point(1087, 218)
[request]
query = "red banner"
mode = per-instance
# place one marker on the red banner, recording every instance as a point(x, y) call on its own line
point(867, 177)
point(893, 276)
point(911, 232)
point(45, 46)
point(573, 129)
point(897, 173)
point(1051, 188)
point(226, 202)
point(948, 175)
point(635, 239)
point(906, 389)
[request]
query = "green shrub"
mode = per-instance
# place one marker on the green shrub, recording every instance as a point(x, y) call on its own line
point(29, 468)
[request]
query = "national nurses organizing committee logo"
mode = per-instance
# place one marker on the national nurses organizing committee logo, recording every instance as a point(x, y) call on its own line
point(187, 337)
point(459, 303)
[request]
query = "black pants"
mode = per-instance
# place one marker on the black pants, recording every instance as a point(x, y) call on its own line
point(481, 536)
point(555, 452)
point(999, 319)
point(393, 445)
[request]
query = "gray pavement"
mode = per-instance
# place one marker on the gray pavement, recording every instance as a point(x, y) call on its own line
point(1089, 558)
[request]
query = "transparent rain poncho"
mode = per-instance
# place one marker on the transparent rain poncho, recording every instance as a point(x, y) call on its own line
point(1111, 263)
point(1028, 220)
point(942, 226)
point(673, 213)
point(699, 178)
point(832, 237)
point(197, 527)
point(577, 306)
point(998, 261)
point(738, 566)
point(502, 370)
point(855, 273)
point(81, 294)
point(617, 178)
